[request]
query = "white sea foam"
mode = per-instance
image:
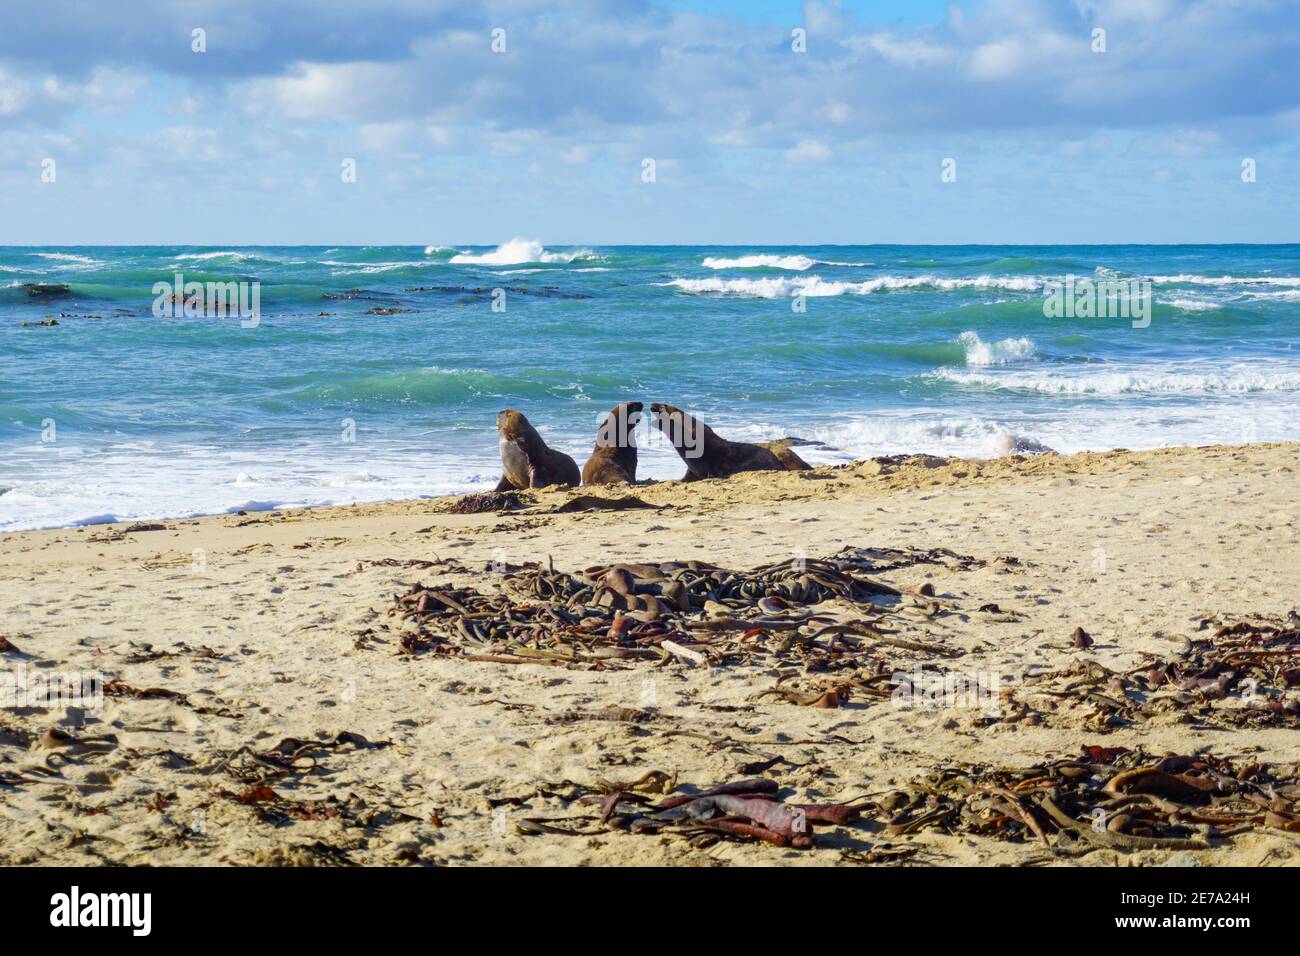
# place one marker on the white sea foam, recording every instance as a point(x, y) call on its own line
point(768, 261)
point(756, 261)
point(180, 483)
point(68, 260)
point(1285, 295)
point(815, 286)
point(205, 256)
point(367, 268)
point(1004, 352)
point(893, 433)
point(1188, 304)
point(1232, 380)
point(434, 250)
point(1191, 279)
point(517, 252)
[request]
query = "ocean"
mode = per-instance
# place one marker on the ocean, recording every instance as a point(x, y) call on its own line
point(376, 372)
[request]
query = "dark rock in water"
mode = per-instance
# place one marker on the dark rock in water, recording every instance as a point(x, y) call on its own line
point(35, 325)
point(386, 310)
point(47, 290)
point(361, 295)
point(546, 292)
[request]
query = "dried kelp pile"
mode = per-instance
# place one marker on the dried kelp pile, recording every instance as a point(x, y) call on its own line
point(685, 610)
point(1240, 675)
point(1105, 798)
point(750, 809)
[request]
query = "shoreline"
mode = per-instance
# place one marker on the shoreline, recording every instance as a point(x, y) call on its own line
point(274, 625)
point(890, 462)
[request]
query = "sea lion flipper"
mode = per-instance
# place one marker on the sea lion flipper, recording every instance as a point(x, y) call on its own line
point(781, 448)
point(708, 455)
point(505, 484)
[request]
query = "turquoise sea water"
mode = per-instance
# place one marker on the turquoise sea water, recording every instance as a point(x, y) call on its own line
point(116, 414)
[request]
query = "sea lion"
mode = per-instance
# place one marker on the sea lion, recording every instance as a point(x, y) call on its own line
point(526, 462)
point(708, 455)
point(614, 457)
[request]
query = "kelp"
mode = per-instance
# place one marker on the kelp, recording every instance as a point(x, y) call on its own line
point(689, 611)
point(1113, 798)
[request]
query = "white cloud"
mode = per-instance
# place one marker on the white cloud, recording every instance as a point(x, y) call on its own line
point(808, 151)
point(188, 142)
point(576, 155)
point(903, 51)
point(998, 60)
point(14, 93)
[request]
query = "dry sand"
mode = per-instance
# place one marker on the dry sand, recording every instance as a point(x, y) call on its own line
point(1137, 548)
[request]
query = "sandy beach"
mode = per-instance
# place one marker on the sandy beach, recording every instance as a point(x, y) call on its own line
point(223, 640)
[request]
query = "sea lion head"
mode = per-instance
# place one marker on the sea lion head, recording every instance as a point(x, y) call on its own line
point(515, 429)
point(618, 428)
point(687, 434)
point(513, 425)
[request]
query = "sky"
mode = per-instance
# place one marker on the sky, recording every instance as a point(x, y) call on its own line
point(764, 122)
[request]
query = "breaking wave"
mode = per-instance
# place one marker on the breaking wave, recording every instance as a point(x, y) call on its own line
point(981, 353)
point(518, 251)
point(815, 286)
point(1235, 380)
point(1186, 279)
point(767, 261)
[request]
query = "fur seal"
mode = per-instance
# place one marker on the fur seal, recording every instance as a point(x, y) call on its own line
point(614, 457)
point(526, 462)
point(708, 455)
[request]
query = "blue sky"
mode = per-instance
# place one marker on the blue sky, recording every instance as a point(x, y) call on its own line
point(753, 143)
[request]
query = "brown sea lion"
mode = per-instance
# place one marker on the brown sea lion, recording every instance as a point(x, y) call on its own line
point(526, 462)
point(708, 455)
point(614, 457)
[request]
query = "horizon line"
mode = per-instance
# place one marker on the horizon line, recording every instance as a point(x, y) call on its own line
point(612, 245)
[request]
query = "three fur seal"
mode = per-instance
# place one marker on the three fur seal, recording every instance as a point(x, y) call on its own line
point(614, 457)
point(708, 455)
point(526, 462)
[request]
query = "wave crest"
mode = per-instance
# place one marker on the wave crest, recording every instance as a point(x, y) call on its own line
point(981, 353)
point(1235, 380)
point(518, 251)
point(815, 286)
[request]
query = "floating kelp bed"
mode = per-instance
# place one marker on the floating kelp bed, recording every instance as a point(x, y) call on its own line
point(1105, 798)
point(686, 610)
point(1241, 675)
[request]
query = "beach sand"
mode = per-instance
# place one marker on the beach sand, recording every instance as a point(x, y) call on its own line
point(275, 625)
